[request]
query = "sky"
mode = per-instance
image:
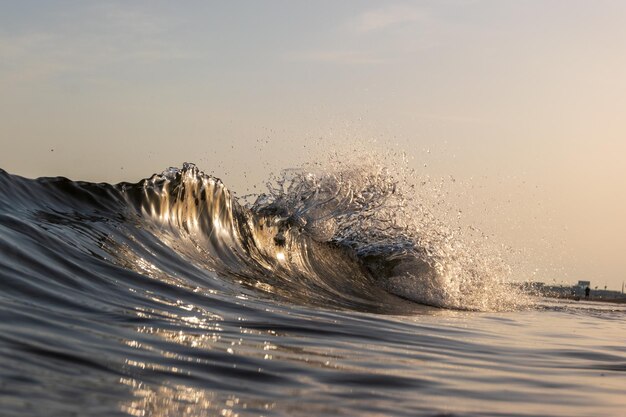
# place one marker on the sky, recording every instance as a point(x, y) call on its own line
point(522, 103)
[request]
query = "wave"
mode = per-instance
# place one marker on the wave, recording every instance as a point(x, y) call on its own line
point(350, 237)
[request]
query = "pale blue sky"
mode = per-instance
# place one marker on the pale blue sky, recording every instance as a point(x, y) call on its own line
point(524, 101)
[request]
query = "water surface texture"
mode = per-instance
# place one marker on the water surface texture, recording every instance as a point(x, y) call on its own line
point(327, 296)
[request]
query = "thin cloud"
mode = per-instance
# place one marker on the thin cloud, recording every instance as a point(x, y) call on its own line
point(451, 118)
point(335, 57)
point(385, 17)
point(117, 37)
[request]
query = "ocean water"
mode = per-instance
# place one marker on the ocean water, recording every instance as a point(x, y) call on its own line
point(332, 294)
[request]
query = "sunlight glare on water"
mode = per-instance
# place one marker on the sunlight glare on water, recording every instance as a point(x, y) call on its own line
point(322, 297)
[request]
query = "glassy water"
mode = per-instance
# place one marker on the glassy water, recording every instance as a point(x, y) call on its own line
point(170, 298)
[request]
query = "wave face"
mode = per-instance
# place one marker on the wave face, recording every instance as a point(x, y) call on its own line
point(344, 239)
point(170, 297)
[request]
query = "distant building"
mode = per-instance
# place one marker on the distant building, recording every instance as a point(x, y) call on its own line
point(576, 291)
point(579, 289)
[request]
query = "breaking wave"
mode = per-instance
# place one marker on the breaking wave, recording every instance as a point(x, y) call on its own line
point(350, 237)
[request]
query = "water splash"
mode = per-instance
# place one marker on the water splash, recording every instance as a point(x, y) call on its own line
point(376, 211)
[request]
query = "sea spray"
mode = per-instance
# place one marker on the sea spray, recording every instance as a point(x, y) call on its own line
point(376, 210)
point(114, 301)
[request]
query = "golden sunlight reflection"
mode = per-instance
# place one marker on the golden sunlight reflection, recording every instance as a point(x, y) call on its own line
point(184, 401)
point(169, 399)
point(198, 206)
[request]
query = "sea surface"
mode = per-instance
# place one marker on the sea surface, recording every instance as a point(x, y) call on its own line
point(332, 294)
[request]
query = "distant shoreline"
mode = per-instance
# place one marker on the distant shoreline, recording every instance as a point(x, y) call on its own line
point(596, 299)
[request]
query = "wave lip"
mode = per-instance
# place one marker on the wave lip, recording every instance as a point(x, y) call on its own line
point(375, 213)
point(342, 238)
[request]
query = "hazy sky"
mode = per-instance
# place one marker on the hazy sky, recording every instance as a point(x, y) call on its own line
point(524, 103)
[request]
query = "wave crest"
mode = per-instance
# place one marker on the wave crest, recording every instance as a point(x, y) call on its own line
point(375, 212)
point(353, 236)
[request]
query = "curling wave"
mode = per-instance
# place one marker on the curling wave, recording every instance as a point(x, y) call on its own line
point(347, 239)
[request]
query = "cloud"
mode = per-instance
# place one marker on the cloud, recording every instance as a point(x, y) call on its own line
point(104, 38)
point(15, 46)
point(353, 51)
point(27, 57)
point(335, 57)
point(385, 17)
